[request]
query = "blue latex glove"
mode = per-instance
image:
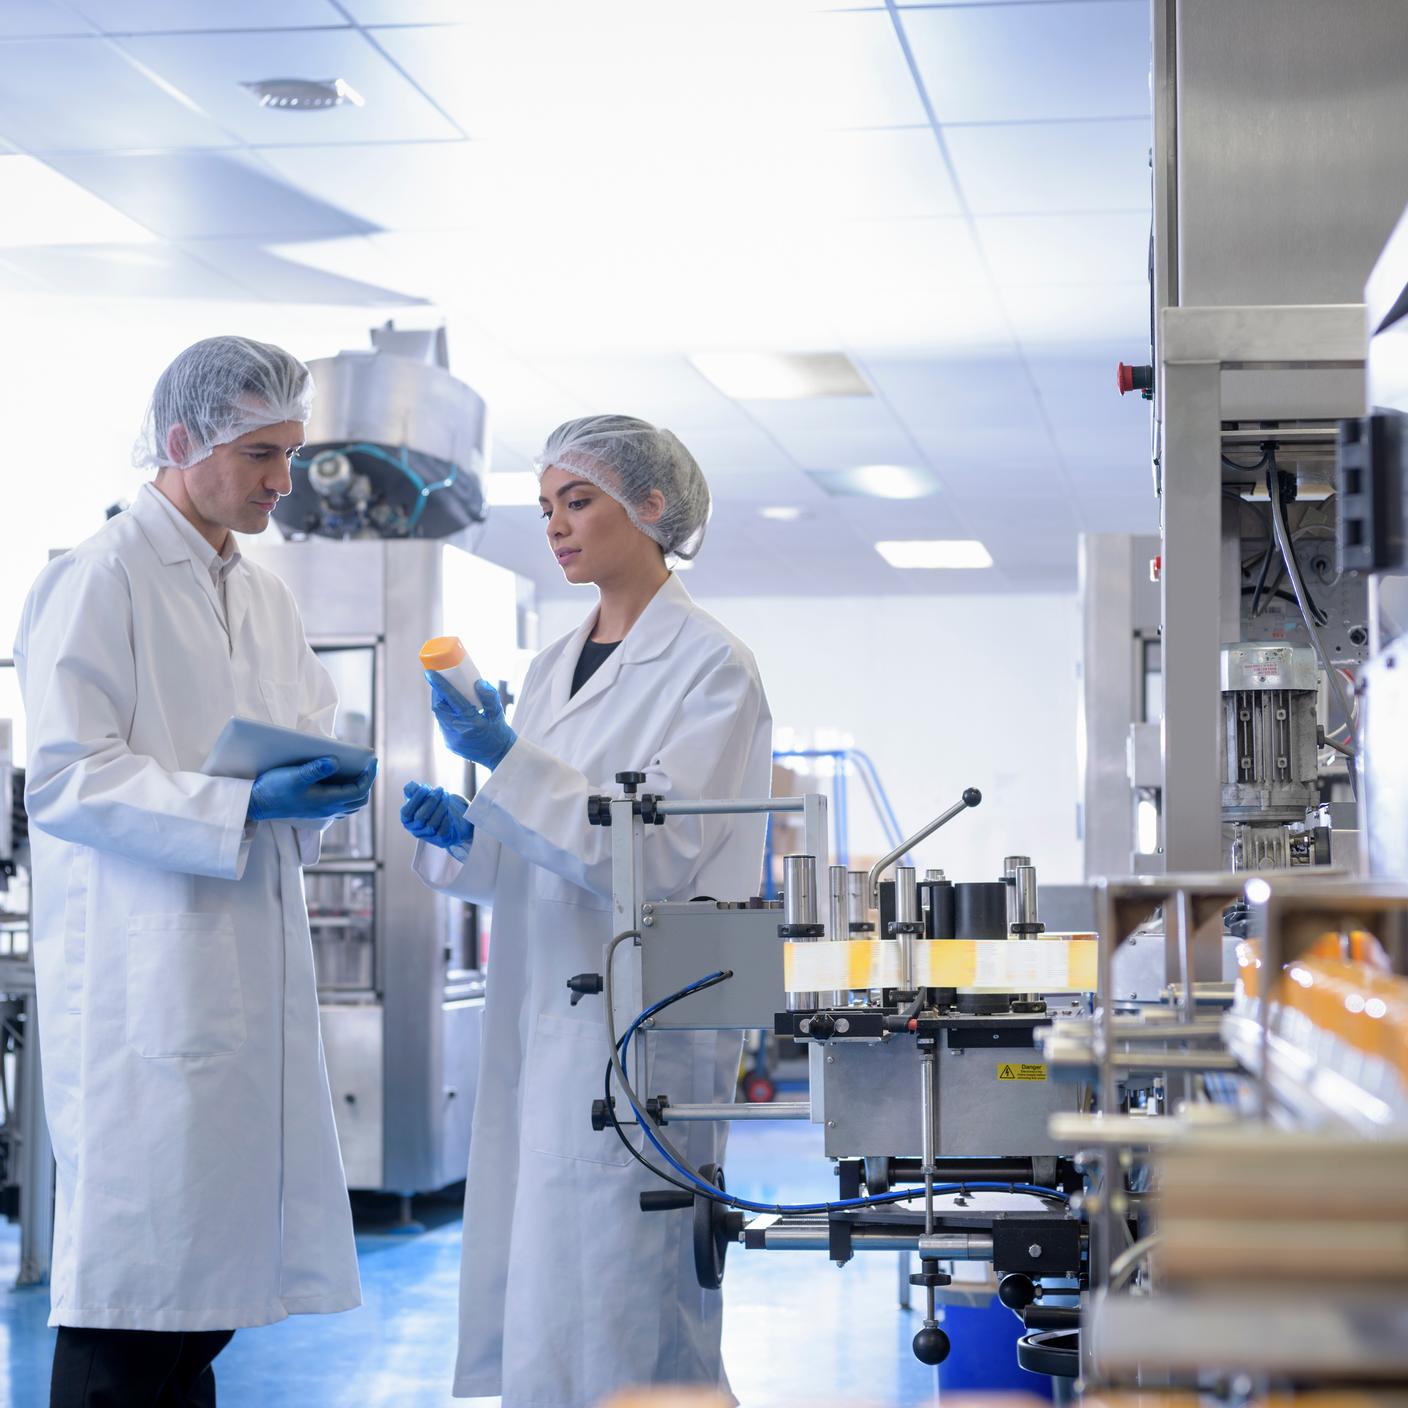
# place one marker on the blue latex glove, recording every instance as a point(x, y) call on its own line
point(434, 815)
point(480, 734)
point(302, 792)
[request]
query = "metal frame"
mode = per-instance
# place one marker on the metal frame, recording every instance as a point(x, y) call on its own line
point(1196, 346)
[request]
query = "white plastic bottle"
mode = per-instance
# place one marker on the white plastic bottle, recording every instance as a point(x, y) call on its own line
point(448, 658)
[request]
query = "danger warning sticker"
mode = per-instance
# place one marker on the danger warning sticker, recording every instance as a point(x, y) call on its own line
point(1025, 1070)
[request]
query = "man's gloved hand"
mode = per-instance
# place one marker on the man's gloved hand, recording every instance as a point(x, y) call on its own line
point(431, 814)
point(480, 734)
point(302, 793)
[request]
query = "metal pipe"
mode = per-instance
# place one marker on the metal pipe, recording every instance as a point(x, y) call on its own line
point(837, 927)
point(799, 911)
point(742, 1110)
point(743, 804)
point(928, 1118)
point(941, 1246)
point(858, 917)
point(971, 797)
point(906, 912)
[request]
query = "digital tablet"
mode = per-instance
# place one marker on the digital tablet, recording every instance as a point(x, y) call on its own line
point(247, 747)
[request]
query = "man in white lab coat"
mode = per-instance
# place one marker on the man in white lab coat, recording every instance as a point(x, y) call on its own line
point(200, 1185)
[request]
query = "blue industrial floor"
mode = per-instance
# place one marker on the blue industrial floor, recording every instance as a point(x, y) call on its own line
point(795, 1328)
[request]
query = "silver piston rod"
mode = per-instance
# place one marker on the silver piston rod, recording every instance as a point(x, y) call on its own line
point(799, 911)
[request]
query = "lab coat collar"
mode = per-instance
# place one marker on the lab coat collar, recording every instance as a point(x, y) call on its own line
point(653, 633)
point(166, 530)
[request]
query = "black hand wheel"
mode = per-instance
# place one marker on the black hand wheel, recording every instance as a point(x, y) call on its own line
point(715, 1226)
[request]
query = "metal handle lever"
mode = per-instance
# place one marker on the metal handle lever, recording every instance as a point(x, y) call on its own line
point(971, 797)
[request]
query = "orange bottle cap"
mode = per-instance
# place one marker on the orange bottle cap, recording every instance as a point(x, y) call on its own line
point(442, 653)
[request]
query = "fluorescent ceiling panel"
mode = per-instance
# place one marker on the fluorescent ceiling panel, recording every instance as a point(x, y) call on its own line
point(1016, 63)
point(39, 206)
point(209, 69)
point(781, 376)
point(120, 106)
point(877, 481)
point(1047, 167)
point(935, 553)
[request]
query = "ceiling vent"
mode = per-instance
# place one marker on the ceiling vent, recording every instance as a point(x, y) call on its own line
point(304, 94)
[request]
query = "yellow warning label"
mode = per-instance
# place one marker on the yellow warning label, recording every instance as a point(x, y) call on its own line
point(1023, 1070)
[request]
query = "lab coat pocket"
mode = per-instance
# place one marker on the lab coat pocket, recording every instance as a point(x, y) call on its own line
point(281, 700)
point(549, 886)
point(184, 996)
point(565, 1069)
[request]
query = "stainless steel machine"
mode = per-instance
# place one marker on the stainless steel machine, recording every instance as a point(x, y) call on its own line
point(917, 1002)
point(389, 490)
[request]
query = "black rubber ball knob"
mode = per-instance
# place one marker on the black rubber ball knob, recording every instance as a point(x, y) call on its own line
point(1016, 1291)
point(931, 1346)
point(971, 796)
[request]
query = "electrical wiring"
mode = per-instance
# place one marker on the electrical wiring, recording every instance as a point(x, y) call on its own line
point(1278, 522)
point(672, 1156)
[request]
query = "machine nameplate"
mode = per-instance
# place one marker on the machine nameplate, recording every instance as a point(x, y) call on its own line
point(1021, 1070)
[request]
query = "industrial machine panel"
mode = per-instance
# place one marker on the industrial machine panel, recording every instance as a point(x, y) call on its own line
point(683, 942)
point(871, 1101)
point(352, 1042)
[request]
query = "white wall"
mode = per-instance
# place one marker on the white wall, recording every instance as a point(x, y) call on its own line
point(943, 693)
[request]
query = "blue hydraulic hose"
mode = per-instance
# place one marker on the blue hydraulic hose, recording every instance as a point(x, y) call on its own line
point(899, 1195)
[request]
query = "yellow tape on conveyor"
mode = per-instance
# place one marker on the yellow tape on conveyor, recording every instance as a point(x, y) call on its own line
point(1052, 963)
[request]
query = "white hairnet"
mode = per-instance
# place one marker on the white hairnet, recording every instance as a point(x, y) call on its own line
point(219, 389)
point(628, 458)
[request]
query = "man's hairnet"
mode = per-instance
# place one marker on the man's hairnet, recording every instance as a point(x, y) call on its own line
point(628, 458)
point(219, 389)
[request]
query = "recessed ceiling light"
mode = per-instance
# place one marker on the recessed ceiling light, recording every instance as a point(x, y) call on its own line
point(40, 207)
point(783, 513)
point(781, 376)
point(512, 489)
point(304, 94)
point(878, 481)
point(935, 552)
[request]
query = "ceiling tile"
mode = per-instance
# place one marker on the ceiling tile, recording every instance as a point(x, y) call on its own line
point(1029, 167)
point(404, 12)
point(1052, 317)
point(1078, 389)
point(36, 17)
point(665, 390)
point(1066, 249)
point(209, 68)
point(147, 16)
point(121, 107)
point(975, 390)
point(273, 278)
point(402, 186)
point(1128, 513)
point(207, 195)
point(1010, 454)
point(748, 462)
point(124, 271)
point(884, 174)
point(732, 65)
point(1014, 63)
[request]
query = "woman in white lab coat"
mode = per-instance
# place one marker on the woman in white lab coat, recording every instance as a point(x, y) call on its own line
point(568, 1290)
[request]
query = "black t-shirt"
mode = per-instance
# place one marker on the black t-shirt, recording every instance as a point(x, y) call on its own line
point(592, 658)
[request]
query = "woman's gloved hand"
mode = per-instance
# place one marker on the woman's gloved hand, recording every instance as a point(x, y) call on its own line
point(482, 734)
point(302, 792)
point(434, 815)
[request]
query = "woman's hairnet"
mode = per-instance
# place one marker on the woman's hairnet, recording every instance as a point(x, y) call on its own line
point(628, 458)
point(219, 389)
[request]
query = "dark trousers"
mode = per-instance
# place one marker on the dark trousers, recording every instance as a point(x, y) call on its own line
point(135, 1368)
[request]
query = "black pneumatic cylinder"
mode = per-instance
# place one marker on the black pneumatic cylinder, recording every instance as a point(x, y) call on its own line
point(936, 901)
point(980, 910)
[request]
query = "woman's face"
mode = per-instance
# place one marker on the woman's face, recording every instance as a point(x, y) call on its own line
point(590, 533)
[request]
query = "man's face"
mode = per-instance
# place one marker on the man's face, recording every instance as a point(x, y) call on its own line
point(237, 485)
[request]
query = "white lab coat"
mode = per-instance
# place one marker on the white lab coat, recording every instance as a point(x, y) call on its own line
point(200, 1184)
point(567, 1289)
